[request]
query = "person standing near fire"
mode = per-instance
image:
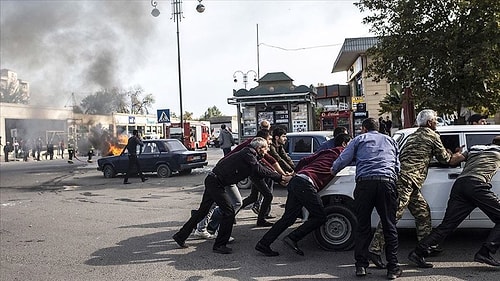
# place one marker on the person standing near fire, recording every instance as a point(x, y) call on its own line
point(131, 147)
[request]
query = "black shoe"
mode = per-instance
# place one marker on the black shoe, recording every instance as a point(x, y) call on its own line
point(487, 259)
point(126, 182)
point(292, 245)
point(144, 179)
point(266, 250)
point(419, 260)
point(360, 271)
point(435, 250)
point(393, 274)
point(222, 250)
point(268, 217)
point(264, 223)
point(179, 242)
point(377, 260)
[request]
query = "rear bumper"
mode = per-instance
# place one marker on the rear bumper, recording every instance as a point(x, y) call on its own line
point(194, 165)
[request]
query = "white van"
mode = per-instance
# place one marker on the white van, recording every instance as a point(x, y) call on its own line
point(337, 234)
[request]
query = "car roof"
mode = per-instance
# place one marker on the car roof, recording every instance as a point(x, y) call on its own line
point(312, 133)
point(456, 128)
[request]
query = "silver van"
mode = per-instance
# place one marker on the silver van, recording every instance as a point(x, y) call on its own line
point(337, 234)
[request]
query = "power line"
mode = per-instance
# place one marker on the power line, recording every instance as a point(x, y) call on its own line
point(300, 49)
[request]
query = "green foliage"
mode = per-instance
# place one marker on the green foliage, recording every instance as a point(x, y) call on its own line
point(391, 103)
point(448, 51)
point(211, 112)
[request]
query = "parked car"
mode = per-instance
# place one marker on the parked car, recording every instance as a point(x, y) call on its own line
point(163, 156)
point(298, 145)
point(337, 234)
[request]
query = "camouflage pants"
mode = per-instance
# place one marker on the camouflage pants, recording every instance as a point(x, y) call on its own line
point(409, 197)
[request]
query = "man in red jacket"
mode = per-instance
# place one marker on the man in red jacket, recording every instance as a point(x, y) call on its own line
point(312, 175)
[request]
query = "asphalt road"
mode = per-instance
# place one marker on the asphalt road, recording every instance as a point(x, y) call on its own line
point(67, 222)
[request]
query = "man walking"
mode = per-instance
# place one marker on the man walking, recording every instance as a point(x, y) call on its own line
point(377, 167)
point(471, 189)
point(226, 139)
point(416, 154)
point(131, 147)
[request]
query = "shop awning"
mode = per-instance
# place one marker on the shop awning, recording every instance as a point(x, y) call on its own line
point(289, 97)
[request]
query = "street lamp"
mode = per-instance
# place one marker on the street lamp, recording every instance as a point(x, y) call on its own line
point(245, 76)
point(177, 16)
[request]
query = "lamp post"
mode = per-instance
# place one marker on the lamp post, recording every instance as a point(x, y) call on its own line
point(245, 76)
point(177, 16)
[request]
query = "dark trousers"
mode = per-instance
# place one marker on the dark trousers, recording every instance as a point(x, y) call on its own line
point(301, 193)
point(226, 150)
point(382, 196)
point(214, 192)
point(259, 186)
point(466, 194)
point(133, 162)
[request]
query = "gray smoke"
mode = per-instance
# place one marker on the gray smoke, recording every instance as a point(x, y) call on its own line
point(61, 47)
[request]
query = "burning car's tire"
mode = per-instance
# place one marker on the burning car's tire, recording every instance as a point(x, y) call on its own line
point(337, 234)
point(163, 171)
point(108, 172)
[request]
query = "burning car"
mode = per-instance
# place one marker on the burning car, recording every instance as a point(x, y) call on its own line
point(163, 156)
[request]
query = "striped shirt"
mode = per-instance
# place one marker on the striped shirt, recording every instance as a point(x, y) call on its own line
point(482, 163)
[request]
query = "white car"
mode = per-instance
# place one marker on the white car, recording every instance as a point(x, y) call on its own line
point(337, 234)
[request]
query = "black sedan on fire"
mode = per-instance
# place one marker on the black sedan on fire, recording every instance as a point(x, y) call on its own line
point(164, 156)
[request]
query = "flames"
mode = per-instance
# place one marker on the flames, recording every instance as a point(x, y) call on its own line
point(116, 145)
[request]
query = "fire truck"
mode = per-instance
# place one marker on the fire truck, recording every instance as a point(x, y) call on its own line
point(196, 134)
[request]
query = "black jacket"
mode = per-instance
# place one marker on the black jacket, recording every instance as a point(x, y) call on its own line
point(240, 165)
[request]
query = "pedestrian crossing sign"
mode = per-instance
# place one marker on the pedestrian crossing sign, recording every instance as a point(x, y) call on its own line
point(163, 115)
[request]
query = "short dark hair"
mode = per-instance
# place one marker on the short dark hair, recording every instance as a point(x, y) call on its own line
point(278, 132)
point(370, 124)
point(341, 138)
point(135, 132)
point(339, 130)
point(223, 126)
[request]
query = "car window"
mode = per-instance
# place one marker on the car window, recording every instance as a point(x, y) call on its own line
point(174, 145)
point(302, 145)
point(150, 147)
point(478, 138)
point(452, 143)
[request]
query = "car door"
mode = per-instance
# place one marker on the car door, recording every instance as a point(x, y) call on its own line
point(149, 156)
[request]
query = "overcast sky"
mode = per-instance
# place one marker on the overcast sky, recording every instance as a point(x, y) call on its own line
point(63, 47)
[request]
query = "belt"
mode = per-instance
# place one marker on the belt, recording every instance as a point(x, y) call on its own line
point(307, 178)
point(375, 178)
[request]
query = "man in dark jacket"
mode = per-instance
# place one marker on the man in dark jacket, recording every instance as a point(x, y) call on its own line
point(132, 144)
point(312, 175)
point(227, 171)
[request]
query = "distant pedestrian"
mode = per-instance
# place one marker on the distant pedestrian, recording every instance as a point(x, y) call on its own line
point(226, 139)
point(382, 128)
point(38, 147)
point(6, 151)
point(388, 125)
point(133, 162)
point(477, 119)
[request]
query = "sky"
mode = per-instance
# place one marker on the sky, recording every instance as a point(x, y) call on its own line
point(64, 47)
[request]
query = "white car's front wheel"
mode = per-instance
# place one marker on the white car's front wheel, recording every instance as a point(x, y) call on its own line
point(337, 234)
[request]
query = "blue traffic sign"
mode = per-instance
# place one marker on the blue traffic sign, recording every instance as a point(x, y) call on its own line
point(163, 115)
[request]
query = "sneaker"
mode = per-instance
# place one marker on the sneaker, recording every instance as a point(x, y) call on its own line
point(222, 250)
point(203, 234)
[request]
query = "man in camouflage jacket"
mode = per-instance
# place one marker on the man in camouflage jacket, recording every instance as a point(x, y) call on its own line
point(415, 156)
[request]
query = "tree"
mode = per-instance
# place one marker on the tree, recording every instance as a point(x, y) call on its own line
point(105, 102)
point(447, 51)
point(138, 105)
point(391, 103)
point(211, 112)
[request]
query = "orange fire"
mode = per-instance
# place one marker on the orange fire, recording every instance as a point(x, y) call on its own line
point(116, 147)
